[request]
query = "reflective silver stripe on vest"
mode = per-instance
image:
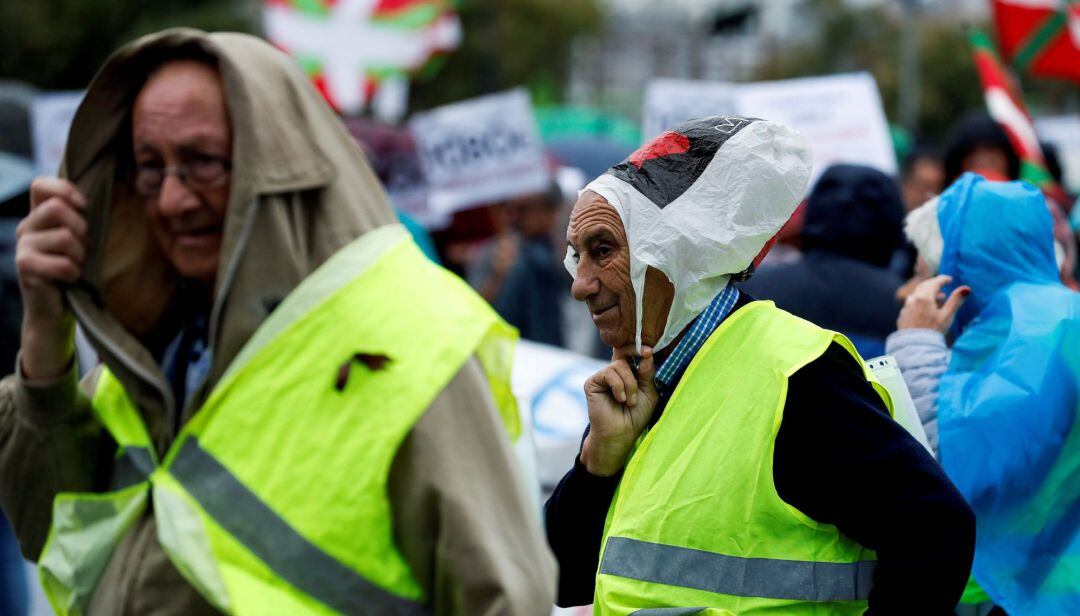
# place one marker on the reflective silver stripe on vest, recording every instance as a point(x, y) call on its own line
point(731, 575)
point(286, 552)
point(133, 466)
point(670, 611)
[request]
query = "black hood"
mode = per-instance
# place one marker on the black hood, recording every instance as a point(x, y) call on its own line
point(856, 212)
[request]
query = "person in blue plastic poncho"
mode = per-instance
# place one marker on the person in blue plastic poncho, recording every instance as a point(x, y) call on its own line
point(1001, 405)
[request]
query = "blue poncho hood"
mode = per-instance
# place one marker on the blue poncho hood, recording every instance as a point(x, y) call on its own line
point(1008, 402)
point(996, 234)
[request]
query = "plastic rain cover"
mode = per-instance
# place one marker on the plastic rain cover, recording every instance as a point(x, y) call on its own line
point(700, 202)
point(1008, 403)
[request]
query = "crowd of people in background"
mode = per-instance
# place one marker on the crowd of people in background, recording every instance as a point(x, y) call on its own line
point(843, 261)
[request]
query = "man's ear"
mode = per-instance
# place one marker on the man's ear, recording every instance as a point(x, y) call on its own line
point(659, 293)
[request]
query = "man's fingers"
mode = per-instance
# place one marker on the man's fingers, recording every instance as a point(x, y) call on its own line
point(630, 385)
point(606, 381)
point(646, 372)
point(617, 379)
point(54, 212)
point(646, 367)
point(956, 299)
point(44, 188)
point(624, 352)
point(38, 268)
point(58, 241)
point(614, 383)
point(929, 289)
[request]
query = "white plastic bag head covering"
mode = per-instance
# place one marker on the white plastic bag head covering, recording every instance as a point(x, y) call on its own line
point(700, 202)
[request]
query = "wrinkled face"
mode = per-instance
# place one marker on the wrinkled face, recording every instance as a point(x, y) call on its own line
point(597, 239)
point(180, 121)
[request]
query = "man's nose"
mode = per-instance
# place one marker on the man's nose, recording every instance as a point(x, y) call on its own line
point(586, 284)
point(174, 197)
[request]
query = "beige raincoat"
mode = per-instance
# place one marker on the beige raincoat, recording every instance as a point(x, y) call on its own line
point(300, 190)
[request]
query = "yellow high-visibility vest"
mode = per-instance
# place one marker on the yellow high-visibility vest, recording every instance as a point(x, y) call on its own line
point(697, 523)
point(273, 497)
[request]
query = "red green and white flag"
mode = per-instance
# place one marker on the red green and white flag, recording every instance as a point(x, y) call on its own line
point(1006, 106)
point(1040, 37)
point(348, 47)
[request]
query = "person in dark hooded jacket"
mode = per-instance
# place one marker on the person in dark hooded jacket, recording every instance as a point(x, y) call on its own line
point(853, 226)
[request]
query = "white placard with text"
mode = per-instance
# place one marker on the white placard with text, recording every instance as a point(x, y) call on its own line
point(480, 151)
point(840, 115)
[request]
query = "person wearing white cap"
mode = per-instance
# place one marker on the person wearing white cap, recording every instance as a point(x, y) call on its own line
point(739, 459)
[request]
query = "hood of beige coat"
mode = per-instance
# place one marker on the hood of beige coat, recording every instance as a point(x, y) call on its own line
point(301, 189)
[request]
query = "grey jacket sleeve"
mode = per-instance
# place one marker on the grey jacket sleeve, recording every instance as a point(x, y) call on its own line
point(49, 443)
point(923, 357)
point(462, 519)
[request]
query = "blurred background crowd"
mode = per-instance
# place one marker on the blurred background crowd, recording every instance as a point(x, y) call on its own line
point(484, 118)
point(599, 78)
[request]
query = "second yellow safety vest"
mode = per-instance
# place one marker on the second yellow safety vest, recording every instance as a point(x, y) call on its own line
point(696, 526)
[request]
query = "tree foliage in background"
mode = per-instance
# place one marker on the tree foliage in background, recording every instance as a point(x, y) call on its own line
point(509, 43)
point(60, 44)
point(855, 39)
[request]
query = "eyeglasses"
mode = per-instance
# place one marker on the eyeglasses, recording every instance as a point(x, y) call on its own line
point(202, 173)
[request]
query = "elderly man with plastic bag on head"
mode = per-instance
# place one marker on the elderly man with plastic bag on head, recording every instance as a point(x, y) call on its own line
point(1001, 404)
point(739, 459)
point(297, 412)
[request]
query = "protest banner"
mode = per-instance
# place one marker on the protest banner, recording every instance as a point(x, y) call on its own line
point(669, 102)
point(840, 115)
point(479, 151)
point(50, 119)
point(548, 384)
point(393, 156)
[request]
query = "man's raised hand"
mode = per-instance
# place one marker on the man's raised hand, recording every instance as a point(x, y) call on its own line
point(49, 253)
point(620, 406)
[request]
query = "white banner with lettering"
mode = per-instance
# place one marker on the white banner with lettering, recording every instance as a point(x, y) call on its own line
point(480, 151)
point(840, 115)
